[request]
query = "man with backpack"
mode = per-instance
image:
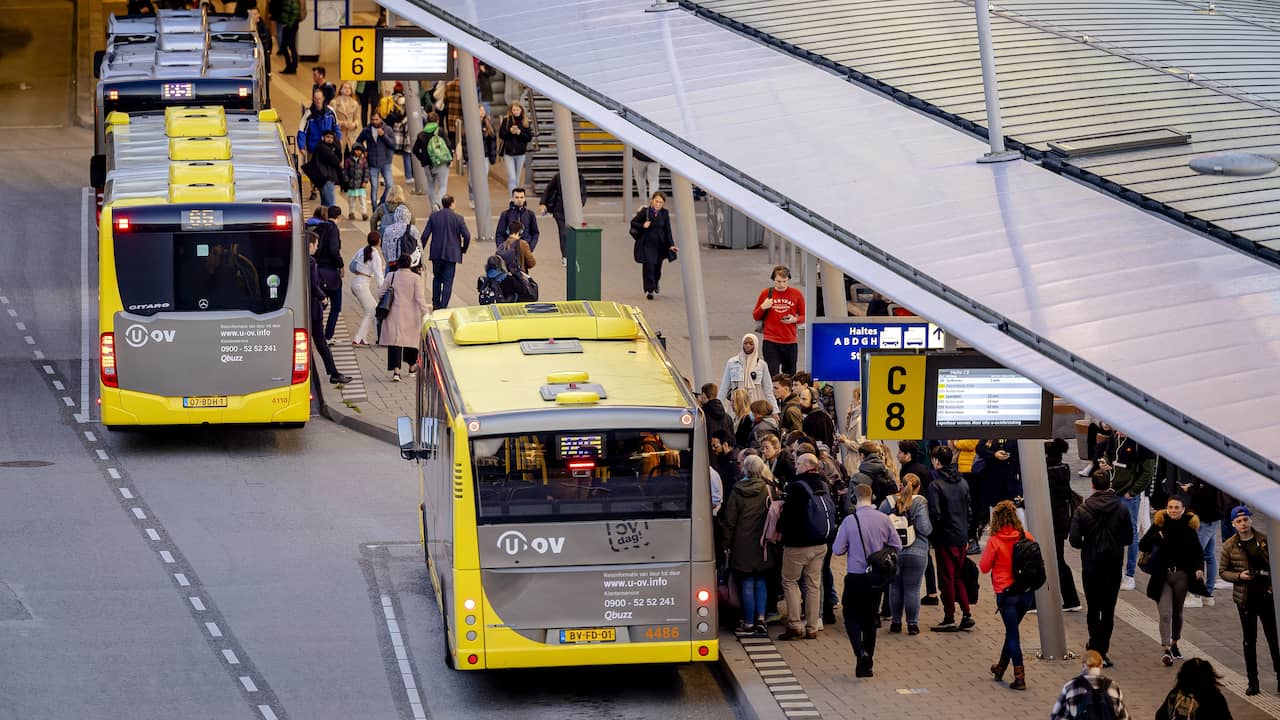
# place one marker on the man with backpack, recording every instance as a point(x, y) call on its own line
point(807, 524)
point(1101, 529)
point(862, 538)
point(1090, 695)
point(431, 148)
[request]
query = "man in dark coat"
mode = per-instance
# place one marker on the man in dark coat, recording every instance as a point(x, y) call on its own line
point(553, 202)
point(517, 211)
point(1101, 530)
point(948, 498)
point(1063, 500)
point(450, 240)
point(713, 409)
point(328, 258)
point(317, 314)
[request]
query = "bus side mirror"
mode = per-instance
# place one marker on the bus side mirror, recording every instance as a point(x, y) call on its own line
point(98, 171)
point(404, 433)
point(97, 63)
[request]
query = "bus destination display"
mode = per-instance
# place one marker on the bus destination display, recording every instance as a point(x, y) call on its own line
point(987, 397)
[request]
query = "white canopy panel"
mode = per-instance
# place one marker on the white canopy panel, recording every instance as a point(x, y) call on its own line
point(1164, 332)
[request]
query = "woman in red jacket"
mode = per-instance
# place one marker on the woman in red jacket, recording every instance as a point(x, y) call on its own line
point(1012, 602)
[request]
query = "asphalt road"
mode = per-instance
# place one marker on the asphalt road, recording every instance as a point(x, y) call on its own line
point(216, 573)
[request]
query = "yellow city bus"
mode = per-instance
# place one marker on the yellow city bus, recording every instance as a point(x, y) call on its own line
point(565, 499)
point(203, 281)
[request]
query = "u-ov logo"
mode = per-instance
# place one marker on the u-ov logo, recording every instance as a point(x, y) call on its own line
point(138, 335)
point(514, 542)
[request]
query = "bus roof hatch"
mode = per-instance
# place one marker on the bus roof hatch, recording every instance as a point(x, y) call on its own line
point(510, 322)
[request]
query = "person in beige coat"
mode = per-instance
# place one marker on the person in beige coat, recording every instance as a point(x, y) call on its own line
point(402, 326)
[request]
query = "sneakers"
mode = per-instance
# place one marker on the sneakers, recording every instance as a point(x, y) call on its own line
point(791, 635)
point(364, 216)
point(744, 630)
point(1106, 662)
point(1253, 689)
point(351, 216)
point(1207, 601)
point(929, 600)
point(1128, 583)
point(1084, 471)
point(967, 623)
point(339, 379)
point(1175, 652)
point(395, 376)
point(648, 296)
point(913, 629)
point(759, 629)
point(1193, 601)
point(974, 548)
point(564, 262)
point(774, 618)
point(895, 628)
point(947, 625)
point(1072, 608)
point(1167, 659)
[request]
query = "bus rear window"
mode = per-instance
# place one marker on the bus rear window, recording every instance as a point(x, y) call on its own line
point(203, 271)
point(583, 475)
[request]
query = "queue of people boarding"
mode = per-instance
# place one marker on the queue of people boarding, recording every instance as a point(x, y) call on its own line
point(914, 527)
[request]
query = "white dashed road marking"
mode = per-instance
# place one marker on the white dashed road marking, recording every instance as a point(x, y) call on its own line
point(126, 493)
point(138, 513)
point(406, 673)
point(197, 603)
point(151, 533)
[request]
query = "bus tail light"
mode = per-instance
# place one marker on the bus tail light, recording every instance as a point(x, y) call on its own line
point(244, 91)
point(107, 359)
point(301, 356)
point(703, 650)
point(473, 659)
point(282, 220)
point(704, 596)
point(122, 223)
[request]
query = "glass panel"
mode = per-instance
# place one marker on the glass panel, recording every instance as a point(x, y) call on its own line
point(583, 475)
point(190, 272)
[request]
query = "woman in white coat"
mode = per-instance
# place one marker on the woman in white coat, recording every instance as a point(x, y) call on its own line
point(367, 268)
point(748, 370)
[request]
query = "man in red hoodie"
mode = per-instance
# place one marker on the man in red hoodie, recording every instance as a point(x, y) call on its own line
point(780, 308)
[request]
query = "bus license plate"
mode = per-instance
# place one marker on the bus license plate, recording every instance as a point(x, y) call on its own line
point(582, 635)
point(218, 401)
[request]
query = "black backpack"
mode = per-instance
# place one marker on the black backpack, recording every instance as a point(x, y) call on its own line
point(488, 290)
point(1028, 566)
point(820, 513)
point(1097, 702)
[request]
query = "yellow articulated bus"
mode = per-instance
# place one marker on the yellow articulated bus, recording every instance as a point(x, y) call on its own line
point(565, 499)
point(203, 280)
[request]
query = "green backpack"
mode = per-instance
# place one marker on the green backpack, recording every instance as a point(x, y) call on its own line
point(438, 151)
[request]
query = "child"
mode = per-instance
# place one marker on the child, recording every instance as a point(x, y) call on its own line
point(356, 174)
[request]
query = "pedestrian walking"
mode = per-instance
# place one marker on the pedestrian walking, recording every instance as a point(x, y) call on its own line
point(1197, 694)
point(431, 148)
point(873, 472)
point(324, 168)
point(862, 534)
point(320, 81)
point(516, 253)
point(1132, 469)
point(1090, 694)
point(447, 239)
point(651, 231)
point(380, 143)
point(1176, 563)
point(384, 215)
point(489, 140)
point(514, 136)
point(368, 269)
point(400, 238)
point(807, 523)
point(1063, 501)
point(402, 327)
point(1101, 530)
point(780, 309)
point(288, 19)
point(355, 175)
point(346, 108)
point(646, 172)
point(908, 510)
point(553, 202)
point(1012, 600)
point(318, 300)
point(329, 262)
point(1207, 502)
point(748, 371)
point(517, 212)
point(949, 511)
point(1245, 562)
point(750, 556)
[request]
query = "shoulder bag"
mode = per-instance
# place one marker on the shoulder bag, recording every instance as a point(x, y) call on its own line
point(882, 565)
point(384, 303)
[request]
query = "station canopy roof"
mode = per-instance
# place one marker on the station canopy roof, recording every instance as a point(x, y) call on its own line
point(1167, 333)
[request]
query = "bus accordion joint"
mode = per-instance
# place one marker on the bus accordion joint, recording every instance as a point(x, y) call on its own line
point(301, 356)
point(107, 359)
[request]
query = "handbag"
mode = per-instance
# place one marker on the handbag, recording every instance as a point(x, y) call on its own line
point(726, 589)
point(384, 303)
point(530, 287)
point(969, 576)
point(882, 565)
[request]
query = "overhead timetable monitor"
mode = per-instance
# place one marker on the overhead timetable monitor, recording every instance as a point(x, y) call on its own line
point(969, 395)
point(412, 54)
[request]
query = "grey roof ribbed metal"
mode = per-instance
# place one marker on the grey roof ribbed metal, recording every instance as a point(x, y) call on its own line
point(1070, 68)
point(1168, 333)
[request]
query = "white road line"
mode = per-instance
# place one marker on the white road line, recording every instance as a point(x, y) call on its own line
point(21, 326)
point(48, 370)
point(182, 579)
point(231, 657)
point(38, 355)
point(213, 629)
point(102, 454)
point(406, 672)
point(197, 603)
point(65, 400)
point(114, 473)
point(155, 536)
point(247, 682)
point(4, 300)
point(86, 207)
point(29, 340)
point(166, 556)
point(126, 493)
point(267, 713)
point(57, 385)
point(90, 436)
point(13, 313)
point(137, 512)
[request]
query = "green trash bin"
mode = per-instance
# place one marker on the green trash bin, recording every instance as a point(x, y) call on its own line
point(582, 281)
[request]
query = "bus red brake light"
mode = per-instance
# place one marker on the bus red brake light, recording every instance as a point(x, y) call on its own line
point(113, 94)
point(282, 220)
point(122, 223)
point(107, 359)
point(301, 356)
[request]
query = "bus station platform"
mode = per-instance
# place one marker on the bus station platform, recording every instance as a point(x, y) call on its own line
point(916, 677)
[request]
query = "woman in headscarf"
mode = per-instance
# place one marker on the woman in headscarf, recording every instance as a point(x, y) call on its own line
point(401, 239)
point(747, 370)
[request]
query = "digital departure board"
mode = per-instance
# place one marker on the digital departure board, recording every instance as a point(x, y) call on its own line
point(968, 395)
point(407, 54)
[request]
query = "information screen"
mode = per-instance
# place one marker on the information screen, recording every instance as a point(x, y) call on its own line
point(571, 446)
point(413, 55)
point(987, 397)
